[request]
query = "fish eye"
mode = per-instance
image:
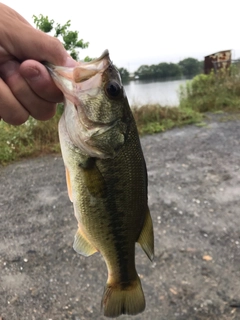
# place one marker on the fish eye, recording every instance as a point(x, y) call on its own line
point(113, 89)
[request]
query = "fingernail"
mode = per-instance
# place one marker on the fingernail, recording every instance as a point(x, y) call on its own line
point(31, 73)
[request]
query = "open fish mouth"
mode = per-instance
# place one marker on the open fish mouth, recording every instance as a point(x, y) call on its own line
point(88, 80)
point(94, 105)
point(65, 77)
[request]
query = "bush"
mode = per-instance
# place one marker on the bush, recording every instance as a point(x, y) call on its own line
point(155, 118)
point(30, 139)
point(212, 92)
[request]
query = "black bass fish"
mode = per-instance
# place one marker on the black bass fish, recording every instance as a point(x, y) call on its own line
point(106, 177)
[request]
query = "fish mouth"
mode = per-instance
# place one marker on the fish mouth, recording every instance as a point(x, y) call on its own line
point(88, 114)
point(83, 79)
point(79, 74)
point(91, 68)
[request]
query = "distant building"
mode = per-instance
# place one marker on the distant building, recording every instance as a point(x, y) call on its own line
point(218, 60)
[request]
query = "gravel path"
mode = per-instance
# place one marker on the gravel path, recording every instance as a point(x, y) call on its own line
point(194, 197)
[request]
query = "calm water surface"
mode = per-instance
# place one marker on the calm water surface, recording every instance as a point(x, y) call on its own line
point(163, 92)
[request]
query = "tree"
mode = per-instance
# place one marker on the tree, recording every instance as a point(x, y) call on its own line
point(143, 72)
point(190, 66)
point(174, 70)
point(70, 39)
point(201, 66)
point(124, 74)
point(162, 70)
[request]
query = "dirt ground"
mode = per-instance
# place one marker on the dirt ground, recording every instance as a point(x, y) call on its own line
point(194, 197)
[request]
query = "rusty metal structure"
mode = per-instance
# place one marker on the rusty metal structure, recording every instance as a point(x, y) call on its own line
point(217, 61)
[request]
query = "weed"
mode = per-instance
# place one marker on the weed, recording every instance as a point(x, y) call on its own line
point(211, 93)
point(30, 139)
point(155, 118)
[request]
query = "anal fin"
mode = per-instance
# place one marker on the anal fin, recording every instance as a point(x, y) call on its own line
point(82, 246)
point(146, 238)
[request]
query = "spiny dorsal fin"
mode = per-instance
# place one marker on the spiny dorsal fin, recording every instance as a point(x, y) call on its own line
point(146, 238)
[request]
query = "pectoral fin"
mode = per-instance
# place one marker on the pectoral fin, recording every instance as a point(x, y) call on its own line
point(69, 186)
point(94, 180)
point(82, 246)
point(146, 238)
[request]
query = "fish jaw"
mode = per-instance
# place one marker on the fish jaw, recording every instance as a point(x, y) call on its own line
point(95, 122)
point(80, 78)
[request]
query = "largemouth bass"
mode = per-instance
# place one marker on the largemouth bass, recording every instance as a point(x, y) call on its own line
point(106, 177)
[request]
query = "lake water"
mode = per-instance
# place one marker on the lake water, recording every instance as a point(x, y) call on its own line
point(162, 92)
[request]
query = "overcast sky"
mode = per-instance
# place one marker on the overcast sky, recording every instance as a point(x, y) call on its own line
point(145, 32)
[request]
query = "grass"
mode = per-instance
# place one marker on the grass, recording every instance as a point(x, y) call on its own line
point(31, 139)
point(212, 92)
point(34, 138)
point(155, 118)
point(205, 93)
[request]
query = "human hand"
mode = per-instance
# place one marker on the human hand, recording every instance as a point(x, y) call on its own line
point(26, 87)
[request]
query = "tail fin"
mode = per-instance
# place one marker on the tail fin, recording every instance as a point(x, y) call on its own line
point(119, 299)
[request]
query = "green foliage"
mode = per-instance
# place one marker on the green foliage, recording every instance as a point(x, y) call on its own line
point(124, 74)
point(190, 67)
point(70, 39)
point(143, 72)
point(187, 67)
point(60, 29)
point(212, 92)
point(30, 139)
point(174, 70)
point(43, 23)
point(162, 70)
point(38, 137)
point(155, 118)
point(87, 59)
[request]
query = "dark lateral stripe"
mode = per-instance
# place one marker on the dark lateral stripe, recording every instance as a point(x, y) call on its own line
point(118, 230)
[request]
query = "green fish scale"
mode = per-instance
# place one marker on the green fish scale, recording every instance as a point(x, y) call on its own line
point(113, 223)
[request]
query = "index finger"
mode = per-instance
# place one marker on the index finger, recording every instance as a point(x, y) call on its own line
point(40, 81)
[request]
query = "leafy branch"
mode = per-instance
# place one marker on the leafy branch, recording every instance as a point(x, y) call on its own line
point(70, 39)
